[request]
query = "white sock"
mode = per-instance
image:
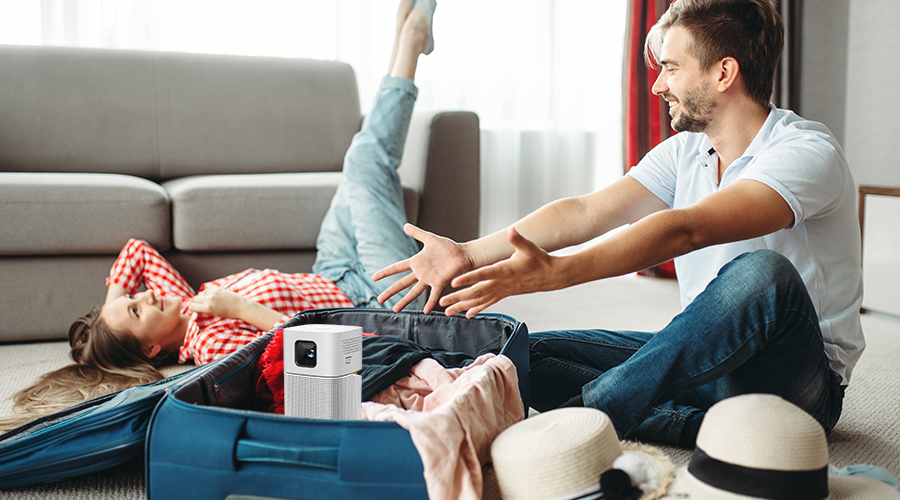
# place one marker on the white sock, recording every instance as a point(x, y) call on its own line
point(428, 7)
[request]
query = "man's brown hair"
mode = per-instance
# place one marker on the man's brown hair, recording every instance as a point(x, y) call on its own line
point(750, 31)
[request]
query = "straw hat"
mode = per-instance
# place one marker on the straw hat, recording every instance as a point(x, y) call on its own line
point(562, 454)
point(761, 446)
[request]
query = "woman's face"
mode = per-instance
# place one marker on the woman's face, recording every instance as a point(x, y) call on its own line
point(154, 320)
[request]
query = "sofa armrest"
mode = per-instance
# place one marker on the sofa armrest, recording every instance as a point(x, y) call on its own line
point(441, 161)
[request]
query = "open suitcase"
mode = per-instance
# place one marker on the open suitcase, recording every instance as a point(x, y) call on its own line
point(201, 439)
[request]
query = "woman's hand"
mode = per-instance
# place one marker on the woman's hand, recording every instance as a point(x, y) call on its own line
point(227, 304)
point(221, 303)
point(440, 260)
point(113, 292)
point(529, 269)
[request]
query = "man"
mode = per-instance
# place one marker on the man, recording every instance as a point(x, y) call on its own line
point(756, 205)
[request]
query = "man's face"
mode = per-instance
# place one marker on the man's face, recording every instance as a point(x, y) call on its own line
point(151, 318)
point(683, 84)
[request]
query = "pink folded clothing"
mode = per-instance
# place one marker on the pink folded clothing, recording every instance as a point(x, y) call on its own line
point(453, 416)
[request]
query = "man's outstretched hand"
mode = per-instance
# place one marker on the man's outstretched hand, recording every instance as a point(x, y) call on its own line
point(440, 260)
point(529, 269)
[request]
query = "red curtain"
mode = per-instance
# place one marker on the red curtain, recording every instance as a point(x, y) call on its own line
point(646, 115)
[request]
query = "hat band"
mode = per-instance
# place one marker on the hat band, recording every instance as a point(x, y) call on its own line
point(765, 483)
point(590, 493)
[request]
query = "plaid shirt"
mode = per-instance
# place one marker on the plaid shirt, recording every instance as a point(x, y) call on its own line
point(210, 337)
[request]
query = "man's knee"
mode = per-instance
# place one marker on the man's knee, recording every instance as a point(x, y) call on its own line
point(762, 275)
point(764, 266)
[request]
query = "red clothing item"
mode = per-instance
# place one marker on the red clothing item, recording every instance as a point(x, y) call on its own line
point(210, 337)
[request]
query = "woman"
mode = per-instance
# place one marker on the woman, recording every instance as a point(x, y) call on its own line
point(122, 342)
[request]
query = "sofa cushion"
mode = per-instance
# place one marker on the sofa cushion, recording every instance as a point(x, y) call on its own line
point(162, 115)
point(68, 110)
point(238, 115)
point(62, 213)
point(213, 213)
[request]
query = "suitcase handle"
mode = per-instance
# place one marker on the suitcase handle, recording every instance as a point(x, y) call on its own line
point(321, 457)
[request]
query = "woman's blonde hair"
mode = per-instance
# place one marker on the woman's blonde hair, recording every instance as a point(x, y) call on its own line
point(105, 361)
point(63, 388)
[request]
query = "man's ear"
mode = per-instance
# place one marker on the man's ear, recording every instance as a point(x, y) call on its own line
point(728, 70)
point(151, 350)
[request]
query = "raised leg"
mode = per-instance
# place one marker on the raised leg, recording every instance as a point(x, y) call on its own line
point(363, 229)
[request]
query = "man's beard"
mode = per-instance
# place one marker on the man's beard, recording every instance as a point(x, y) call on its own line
point(696, 108)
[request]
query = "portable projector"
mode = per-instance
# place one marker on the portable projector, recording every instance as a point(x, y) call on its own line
point(320, 365)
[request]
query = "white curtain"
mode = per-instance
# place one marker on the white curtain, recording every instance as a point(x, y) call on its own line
point(544, 76)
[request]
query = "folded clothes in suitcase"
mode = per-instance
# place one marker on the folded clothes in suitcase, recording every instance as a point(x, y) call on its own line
point(203, 440)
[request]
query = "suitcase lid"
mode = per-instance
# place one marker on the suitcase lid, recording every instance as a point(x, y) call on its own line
point(87, 437)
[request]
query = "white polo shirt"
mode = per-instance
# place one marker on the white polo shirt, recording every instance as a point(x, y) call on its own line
point(802, 161)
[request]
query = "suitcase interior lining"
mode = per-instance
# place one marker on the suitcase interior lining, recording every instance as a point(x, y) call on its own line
point(230, 387)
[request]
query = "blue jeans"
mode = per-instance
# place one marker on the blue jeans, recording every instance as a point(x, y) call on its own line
point(753, 330)
point(363, 229)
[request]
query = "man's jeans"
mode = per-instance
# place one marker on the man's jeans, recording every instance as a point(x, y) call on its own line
point(753, 330)
point(363, 229)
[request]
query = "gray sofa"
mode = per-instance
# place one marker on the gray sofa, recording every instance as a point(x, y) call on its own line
point(220, 162)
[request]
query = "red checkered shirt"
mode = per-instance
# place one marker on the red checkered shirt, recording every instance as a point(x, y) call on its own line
point(210, 337)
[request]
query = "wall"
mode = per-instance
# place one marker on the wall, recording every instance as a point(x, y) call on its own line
point(823, 63)
point(850, 74)
point(873, 73)
point(850, 70)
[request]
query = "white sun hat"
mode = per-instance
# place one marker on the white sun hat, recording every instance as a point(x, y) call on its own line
point(761, 446)
point(562, 454)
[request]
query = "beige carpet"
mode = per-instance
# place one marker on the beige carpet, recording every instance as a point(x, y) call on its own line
point(868, 432)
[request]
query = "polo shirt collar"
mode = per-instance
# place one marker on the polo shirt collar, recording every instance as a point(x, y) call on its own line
point(705, 150)
point(764, 135)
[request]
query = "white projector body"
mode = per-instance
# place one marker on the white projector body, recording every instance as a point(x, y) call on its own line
point(320, 365)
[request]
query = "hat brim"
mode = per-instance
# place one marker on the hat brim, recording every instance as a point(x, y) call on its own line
point(840, 487)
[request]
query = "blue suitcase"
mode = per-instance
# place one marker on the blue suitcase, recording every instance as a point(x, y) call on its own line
point(201, 439)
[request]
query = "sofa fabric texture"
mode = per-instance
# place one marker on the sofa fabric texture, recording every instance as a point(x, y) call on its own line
point(220, 162)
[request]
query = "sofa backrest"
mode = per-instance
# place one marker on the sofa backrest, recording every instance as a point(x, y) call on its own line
point(160, 115)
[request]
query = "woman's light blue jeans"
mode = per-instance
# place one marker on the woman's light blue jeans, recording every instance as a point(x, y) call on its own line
point(363, 229)
point(753, 330)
